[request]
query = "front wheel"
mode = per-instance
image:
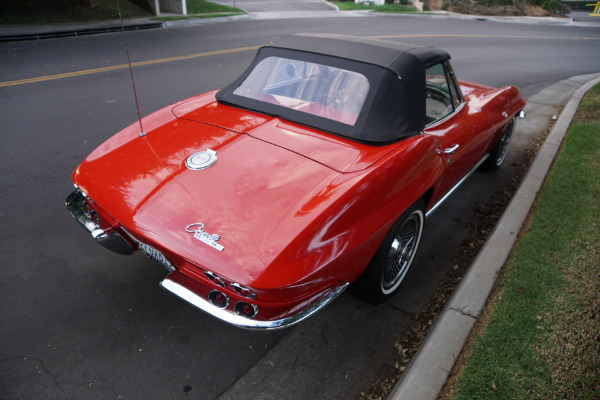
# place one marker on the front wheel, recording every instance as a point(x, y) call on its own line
point(394, 257)
point(500, 149)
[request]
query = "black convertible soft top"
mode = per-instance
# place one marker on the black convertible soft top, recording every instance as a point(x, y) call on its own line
point(395, 106)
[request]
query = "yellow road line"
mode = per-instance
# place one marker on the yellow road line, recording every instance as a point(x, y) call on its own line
point(122, 66)
point(212, 53)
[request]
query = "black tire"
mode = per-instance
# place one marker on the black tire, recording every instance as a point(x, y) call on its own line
point(394, 257)
point(500, 149)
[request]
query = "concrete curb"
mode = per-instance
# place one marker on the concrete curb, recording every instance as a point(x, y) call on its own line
point(34, 32)
point(205, 21)
point(515, 19)
point(39, 32)
point(429, 369)
point(447, 15)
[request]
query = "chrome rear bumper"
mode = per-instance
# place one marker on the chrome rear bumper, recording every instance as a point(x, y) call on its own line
point(110, 238)
point(170, 283)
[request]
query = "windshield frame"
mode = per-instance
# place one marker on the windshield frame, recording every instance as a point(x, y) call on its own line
point(372, 73)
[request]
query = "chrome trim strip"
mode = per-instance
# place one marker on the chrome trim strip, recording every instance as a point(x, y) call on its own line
point(464, 178)
point(244, 322)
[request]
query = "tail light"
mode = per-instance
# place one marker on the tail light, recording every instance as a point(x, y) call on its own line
point(245, 309)
point(221, 300)
point(218, 299)
point(90, 213)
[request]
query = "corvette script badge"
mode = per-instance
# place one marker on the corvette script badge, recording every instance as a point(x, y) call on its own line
point(204, 237)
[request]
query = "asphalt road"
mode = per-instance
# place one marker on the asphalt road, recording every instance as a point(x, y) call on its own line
point(81, 322)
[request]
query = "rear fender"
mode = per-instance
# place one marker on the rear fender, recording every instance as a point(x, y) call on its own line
point(343, 238)
point(504, 105)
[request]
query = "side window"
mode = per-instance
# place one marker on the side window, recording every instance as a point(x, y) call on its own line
point(441, 98)
point(454, 87)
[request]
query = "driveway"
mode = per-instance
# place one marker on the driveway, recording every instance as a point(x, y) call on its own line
point(257, 6)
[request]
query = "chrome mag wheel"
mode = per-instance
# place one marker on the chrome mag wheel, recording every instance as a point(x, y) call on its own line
point(402, 252)
point(392, 260)
point(504, 142)
point(500, 149)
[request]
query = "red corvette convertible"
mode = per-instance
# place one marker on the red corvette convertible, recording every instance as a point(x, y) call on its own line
point(315, 169)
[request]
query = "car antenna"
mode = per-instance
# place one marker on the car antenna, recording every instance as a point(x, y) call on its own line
point(137, 104)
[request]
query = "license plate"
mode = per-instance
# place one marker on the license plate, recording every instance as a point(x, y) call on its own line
point(156, 255)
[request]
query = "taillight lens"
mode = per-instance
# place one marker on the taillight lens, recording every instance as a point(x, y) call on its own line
point(218, 299)
point(245, 309)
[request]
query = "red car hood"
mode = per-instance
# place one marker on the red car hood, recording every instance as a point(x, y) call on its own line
point(258, 197)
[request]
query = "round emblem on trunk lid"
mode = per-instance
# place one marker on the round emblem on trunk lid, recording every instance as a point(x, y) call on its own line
point(201, 159)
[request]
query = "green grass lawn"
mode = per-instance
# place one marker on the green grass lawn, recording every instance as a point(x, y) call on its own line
point(389, 8)
point(203, 6)
point(192, 16)
point(540, 337)
point(59, 11)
